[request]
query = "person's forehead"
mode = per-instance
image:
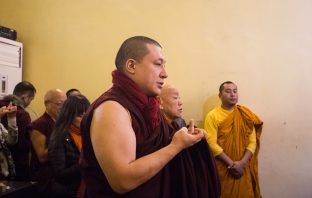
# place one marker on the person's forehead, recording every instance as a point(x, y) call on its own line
point(173, 91)
point(59, 97)
point(156, 52)
point(229, 86)
point(170, 93)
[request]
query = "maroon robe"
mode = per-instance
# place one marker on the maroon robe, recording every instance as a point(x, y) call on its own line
point(42, 172)
point(190, 174)
point(45, 125)
point(194, 168)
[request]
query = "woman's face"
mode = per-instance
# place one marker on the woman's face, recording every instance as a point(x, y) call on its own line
point(77, 121)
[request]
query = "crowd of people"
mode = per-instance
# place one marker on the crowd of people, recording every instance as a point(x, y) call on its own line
point(132, 141)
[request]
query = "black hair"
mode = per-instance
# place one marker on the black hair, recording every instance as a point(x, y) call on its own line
point(221, 86)
point(71, 90)
point(24, 87)
point(135, 48)
point(72, 107)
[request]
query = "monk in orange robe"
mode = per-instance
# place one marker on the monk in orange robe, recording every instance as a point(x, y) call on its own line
point(233, 133)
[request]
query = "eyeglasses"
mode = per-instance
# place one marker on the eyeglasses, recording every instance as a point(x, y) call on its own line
point(57, 103)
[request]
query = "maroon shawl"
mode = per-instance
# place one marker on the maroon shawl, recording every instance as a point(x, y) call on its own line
point(148, 105)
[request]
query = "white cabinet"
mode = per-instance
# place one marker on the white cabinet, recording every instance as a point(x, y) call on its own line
point(10, 65)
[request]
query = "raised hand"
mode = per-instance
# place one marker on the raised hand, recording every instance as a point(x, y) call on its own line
point(2, 111)
point(192, 129)
point(9, 110)
point(187, 137)
point(191, 126)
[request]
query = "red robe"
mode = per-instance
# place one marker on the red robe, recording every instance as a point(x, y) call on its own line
point(189, 174)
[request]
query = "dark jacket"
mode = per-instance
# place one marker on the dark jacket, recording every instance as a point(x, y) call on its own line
point(64, 157)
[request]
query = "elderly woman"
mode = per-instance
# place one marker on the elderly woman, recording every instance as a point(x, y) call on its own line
point(65, 146)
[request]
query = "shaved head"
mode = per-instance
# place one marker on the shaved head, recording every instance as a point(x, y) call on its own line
point(52, 94)
point(167, 89)
point(170, 102)
point(53, 101)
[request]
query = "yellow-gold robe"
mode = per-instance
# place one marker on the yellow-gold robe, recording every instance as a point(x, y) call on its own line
point(233, 137)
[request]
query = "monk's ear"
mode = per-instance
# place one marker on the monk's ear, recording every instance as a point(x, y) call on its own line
point(130, 66)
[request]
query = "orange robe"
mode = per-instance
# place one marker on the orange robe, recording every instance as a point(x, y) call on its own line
point(233, 136)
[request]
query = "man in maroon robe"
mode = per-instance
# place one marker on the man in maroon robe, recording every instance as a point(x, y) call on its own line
point(23, 93)
point(40, 132)
point(128, 149)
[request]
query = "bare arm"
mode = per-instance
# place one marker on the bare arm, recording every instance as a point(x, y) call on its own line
point(248, 154)
point(225, 159)
point(114, 144)
point(38, 141)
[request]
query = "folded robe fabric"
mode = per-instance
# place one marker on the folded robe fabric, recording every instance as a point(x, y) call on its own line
point(233, 135)
point(187, 175)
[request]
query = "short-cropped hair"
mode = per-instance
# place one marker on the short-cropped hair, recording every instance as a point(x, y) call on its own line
point(24, 87)
point(134, 48)
point(221, 86)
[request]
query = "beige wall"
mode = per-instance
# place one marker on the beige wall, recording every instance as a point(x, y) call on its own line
point(264, 46)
